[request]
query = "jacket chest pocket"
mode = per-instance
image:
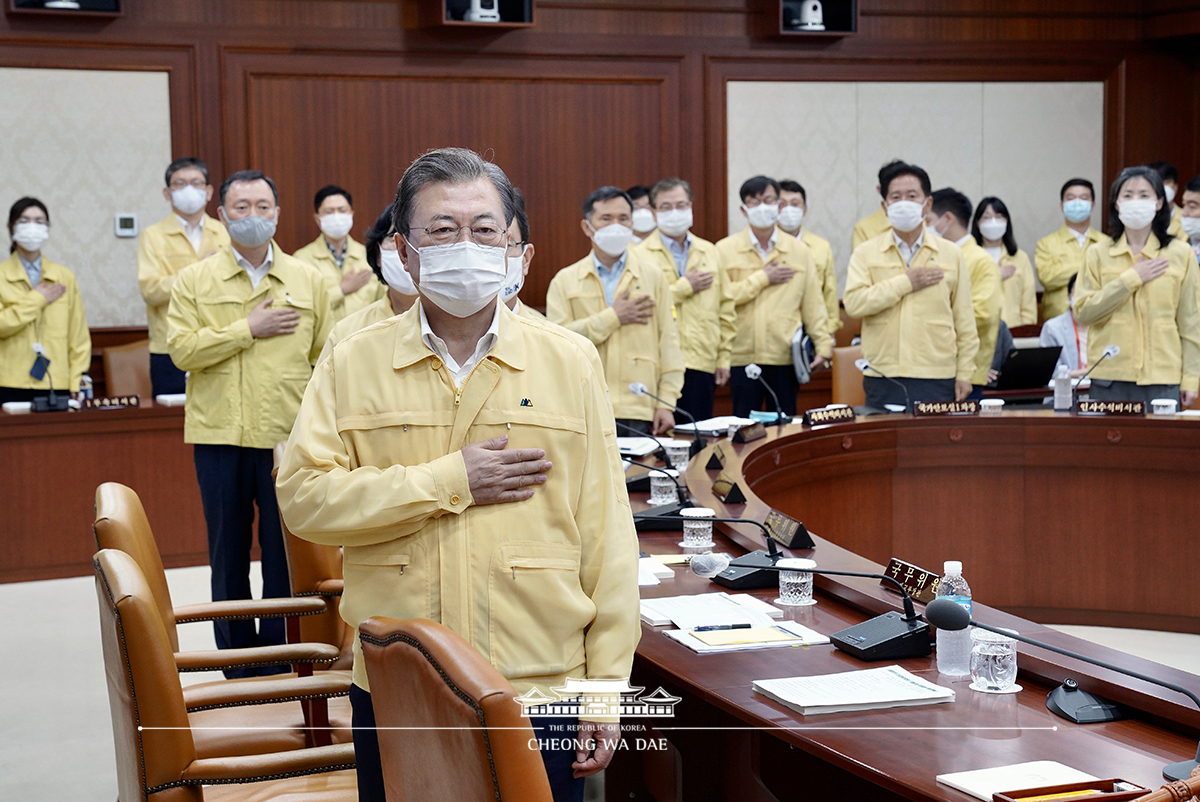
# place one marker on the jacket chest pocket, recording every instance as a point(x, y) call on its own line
point(584, 304)
point(222, 311)
point(386, 579)
point(1162, 294)
point(537, 609)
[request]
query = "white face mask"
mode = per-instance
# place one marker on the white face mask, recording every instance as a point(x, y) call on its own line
point(790, 218)
point(675, 222)
point(643, 220)
point(1170, 194)
point(515, 278)
point(993, 228)
point(1136, 214)
point(613, 239)
point(462, 278)
point(30, 236)
point(905, 216)
point(1191, 227)
point(394, 273)
point(336, 225)
point(764, 215)
point(189, 199)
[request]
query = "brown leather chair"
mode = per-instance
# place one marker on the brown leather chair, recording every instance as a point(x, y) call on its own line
point(847, 379)
point(454, 729)
point(155, 750)
point(121, 524)
point(316, 570)
point(127, 370)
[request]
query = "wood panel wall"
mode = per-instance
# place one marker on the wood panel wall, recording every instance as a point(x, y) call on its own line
point(598, 91)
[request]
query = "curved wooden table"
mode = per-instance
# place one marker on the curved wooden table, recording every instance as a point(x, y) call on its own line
point(1058, 518)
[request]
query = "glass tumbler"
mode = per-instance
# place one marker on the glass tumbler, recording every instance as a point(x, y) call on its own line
point(993, 661)
point(663, 487)
point(795, 587)
point(697, 527)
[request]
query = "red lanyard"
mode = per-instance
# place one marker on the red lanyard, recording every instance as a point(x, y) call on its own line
point(1078, 349)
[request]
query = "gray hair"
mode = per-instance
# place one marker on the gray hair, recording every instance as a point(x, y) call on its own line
point(448, 166)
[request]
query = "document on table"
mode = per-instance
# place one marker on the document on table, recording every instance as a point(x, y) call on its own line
point(869, 689)
point(713, 426)
point(650, 571)
point(982, 783)
point(708, 610)
point(783, 633)
point(637, 446)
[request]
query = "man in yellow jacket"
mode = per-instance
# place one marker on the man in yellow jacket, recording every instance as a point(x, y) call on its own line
point(183, 237)
point(622, 305)
point(876, 222)
point(248, 324)
point(1059, 255)
point(1170, 179)
point(338, 257)
point(912, 291)
point(700, 289)
point(776, 290)
point(466, 460)
point(791, 221)
point(949, 216)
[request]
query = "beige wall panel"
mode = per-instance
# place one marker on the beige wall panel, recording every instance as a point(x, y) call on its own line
point(90, 144)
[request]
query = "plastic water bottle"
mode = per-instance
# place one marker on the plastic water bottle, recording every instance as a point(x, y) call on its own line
point(954, 648)
point(1062, 390)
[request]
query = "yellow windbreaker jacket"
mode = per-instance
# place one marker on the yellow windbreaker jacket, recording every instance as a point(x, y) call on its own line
point(870, 227)
point(1157, 325)
point(769, 314)
point(987, 300)
point(927, 334)
point(822, 253)
point(26, 318)
point(317, 254)
point(544, 588)
point(163, 250)
point(1057, 258)
point(1020, 291)
point(705, 318)
point(648, 353)
point(242, 391)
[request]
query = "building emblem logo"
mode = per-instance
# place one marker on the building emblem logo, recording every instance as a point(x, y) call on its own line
point(598, 697)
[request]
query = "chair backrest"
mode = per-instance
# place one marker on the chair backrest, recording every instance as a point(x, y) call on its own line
point(150, 723)
point(476, 746)
point(851, 328)
point(127, 370)
point(316, 570)
point(847, 379)
point(121, 524)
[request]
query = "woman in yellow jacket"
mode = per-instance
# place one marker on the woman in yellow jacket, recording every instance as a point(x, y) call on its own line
point(1137, 290)
point(992, 228)
point(44, 339)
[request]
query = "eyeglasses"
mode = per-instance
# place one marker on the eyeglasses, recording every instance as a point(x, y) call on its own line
point(198, 183)
point(480, 234)
point(517, 247)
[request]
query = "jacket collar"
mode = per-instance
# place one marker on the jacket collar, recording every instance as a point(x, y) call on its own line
point(928, 240)
point(12, 270)
point(1121, 246)
point(411, 349)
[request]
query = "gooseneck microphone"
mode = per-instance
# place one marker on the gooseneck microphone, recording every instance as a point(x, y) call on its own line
point(946, 614)
point(637, 388)
point(754, 373)
point(659, 452)
point(1109, 352)
point(863, 366)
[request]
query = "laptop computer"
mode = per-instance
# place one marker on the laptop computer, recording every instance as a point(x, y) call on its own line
point(1028, 368)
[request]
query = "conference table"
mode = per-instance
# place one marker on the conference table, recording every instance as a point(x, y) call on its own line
point(863, 487)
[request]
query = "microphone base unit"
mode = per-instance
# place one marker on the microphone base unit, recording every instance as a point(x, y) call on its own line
point(639, 483)
point(649, 520)
point(885, 637)
point(1178, 772)
point(1074, 704)
point(749, 572)
point(58, 402)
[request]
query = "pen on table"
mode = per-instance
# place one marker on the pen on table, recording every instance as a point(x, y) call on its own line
point(721, 626)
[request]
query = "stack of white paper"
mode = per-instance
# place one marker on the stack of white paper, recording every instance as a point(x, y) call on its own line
point(982, 783)
point(869, 689)
point(636, 446)
point(804, 636)
point(714, 426)
point(709, 609)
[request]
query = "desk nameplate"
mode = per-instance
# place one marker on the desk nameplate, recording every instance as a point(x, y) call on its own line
point(825, 415)
point(1110, 408)
point(114, 402)
point(923, 409)
point(922, 585)
point(748, 434)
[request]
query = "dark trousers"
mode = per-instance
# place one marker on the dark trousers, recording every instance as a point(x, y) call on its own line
point(8, 394)
point(165, 378)
point(369, 766)
point(699, 391)
point(1109, 390)
point(748, 394)
point(233, 480)
point(881, 391)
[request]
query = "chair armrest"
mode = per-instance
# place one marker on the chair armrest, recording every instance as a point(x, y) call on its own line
point(271, 766)
point(262, 691)
point(330, 587)
point(255, 656)
point(235, 609)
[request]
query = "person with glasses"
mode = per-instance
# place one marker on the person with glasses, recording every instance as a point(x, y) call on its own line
point(248, 324)
point(44, 338)
point(700, 288)
point(183, 237)
point(340, 258)
point(623, 305)
point(776, 289)
point(464, 457)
